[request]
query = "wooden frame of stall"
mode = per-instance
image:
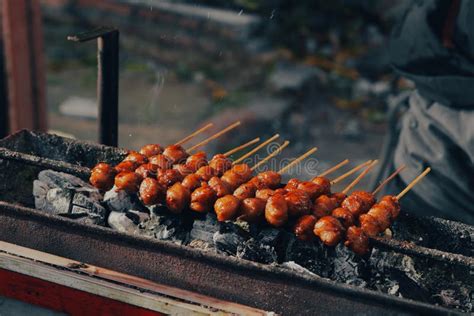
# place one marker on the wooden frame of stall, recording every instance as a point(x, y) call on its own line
point(76, 288)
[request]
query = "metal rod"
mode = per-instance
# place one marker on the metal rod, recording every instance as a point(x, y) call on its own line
point(107, 80)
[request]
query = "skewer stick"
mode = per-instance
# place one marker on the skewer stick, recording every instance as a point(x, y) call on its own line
point(384, 182)
point(298, 160)
point(273, 154)
point(413, 183)
point(350, 172)
point(253, 151)
point(222, 132)
point(199, 131)
point(236, 149)
point(359, 177)
point(331, 170)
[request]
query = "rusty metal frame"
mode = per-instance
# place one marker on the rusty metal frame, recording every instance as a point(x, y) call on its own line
point(107, 80)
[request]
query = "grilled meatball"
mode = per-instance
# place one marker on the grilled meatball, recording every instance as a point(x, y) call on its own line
point(298, 202)
point(161, 161)
point(246, 190)
point(191, 182)
point(304, 226)
point(314, 190)
point(239, 174)
point(276, 210)
point(169, 177)
point(126, 166)
point(102, 176)
point(382, 215)
point(203, 198)
point(268, 179)
point(392, 203)
point(175, 153)
point(206, 173)
point(220, 163)
point(354, 204)
point(368, 200)
point(344, 216)
point(324, 183)
point(252, 210)
point(151, 192)
point(369, 225)
point(128, 181)
point(357, 241)
point(264, 194)
point(183, 169)
point(292, 184)
point(196, 161)
point(329, 230)
point(136, 157)
point(324, 205)
point(226, 207)
point(281, 191)
point(339, 196)
point(151, 150)
point(177, 198)
point(147, 170)
point(220, 187)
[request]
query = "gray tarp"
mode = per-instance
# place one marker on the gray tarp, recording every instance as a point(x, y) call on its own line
point(438, 128)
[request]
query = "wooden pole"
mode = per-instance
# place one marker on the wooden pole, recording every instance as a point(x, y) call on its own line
point(23, 41)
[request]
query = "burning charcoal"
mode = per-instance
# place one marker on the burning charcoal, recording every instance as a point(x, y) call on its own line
point(254, 250)
point(229, 237)
point(170, 227)
point(350, 268)
point(127, 222)
point(391, 266)
point(311, 255)
point(66, 195)
point(121, 201)
point(204, 229)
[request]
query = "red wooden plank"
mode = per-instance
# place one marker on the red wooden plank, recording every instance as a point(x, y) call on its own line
point(61, 298)
point(23, 42)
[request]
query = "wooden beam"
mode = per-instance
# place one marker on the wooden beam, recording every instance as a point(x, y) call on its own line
point(110, 284)
point(23, 46)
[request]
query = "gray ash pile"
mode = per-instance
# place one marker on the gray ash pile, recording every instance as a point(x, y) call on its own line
point(389, 272)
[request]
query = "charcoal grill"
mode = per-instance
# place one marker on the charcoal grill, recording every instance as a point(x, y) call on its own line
point(263, 286)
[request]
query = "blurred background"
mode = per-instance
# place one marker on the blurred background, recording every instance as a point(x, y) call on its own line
point(315, 71)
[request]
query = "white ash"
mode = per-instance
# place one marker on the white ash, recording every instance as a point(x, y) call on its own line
point(297, 268)
point(169, 227)
point(66, 195)
point(204, 229)
point(127, 222)
point(121, 201)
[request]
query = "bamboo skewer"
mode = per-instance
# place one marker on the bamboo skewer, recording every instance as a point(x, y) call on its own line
point(384, 182)
point(413, 183)
point(359, 177)
point(238, 148)
point(298, 160)
point(273, 154)
point(350, 172)
point(253, 151)
point(222, 132)
point(331, 170)
point(199, 131)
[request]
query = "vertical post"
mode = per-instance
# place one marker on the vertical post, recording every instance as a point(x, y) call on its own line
point(107, 87)
point(4, 124)
point(24, 62)
point(107, 80)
